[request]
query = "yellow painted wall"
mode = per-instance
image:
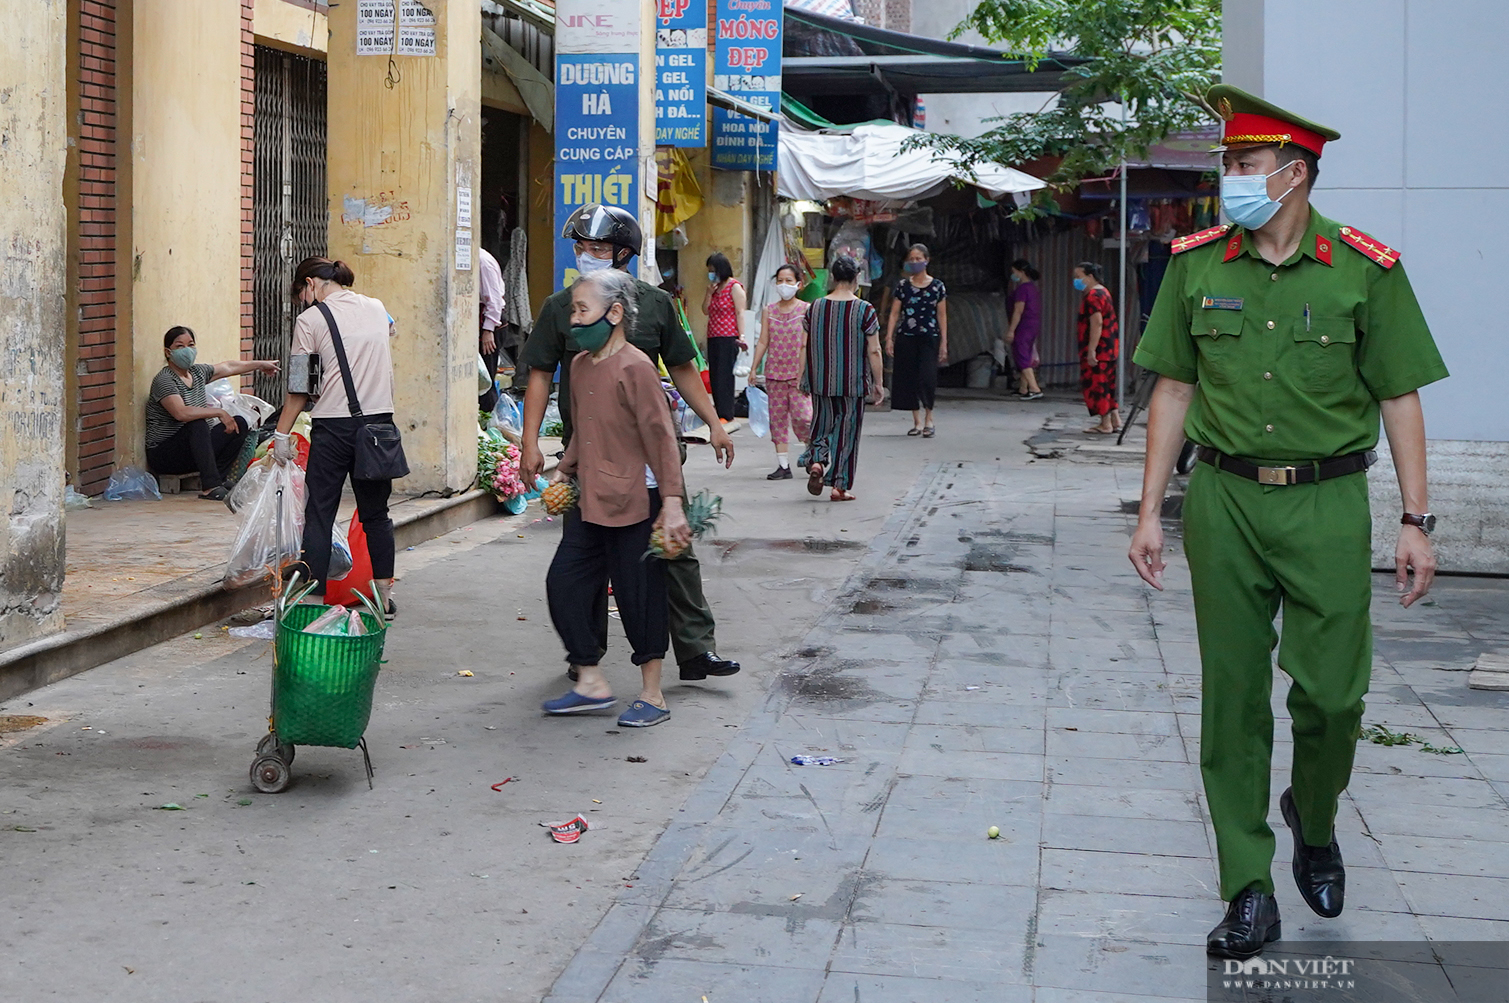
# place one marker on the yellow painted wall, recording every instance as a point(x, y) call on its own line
point(403, 148)
point(186, 184)
point(722, 225)
point(290, 26)
point(539, 189)
point(33, 270)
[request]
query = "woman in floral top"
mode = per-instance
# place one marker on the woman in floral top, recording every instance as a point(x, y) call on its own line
point(1099, 345)
point(919, 313)
point(783, 341)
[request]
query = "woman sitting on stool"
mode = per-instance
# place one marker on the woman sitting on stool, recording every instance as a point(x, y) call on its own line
point(184, 434)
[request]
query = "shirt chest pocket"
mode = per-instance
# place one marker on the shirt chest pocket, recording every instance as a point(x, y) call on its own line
point(1218, 337)
point(1323, 357)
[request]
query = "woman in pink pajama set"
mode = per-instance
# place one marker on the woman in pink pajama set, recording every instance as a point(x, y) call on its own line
point(782, 339)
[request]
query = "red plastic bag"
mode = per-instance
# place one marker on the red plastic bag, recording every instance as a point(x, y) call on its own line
point(343, 591)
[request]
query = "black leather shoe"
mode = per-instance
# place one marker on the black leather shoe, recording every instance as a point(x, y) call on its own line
point(1318, 871)
point(1251, 922)
point(707, 664)
point(779, 474)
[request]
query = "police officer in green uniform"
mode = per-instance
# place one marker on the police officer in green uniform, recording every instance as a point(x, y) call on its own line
point(1279, 340)
point(609, 237)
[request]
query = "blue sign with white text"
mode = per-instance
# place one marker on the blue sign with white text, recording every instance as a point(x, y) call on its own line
point(747, 64)
point(596, 141)
point(681, 73)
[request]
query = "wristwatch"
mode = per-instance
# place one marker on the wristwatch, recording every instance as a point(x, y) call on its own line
point(1424, 523)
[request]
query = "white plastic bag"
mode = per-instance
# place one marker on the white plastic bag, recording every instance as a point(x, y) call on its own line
point(250, 484)
point(340, 553)
point(507, 418)
point(132, 484)
point(759, 411)
point(224, 395)
point(256, 554)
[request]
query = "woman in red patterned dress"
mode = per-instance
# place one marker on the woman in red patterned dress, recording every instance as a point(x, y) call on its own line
point(1099, 345)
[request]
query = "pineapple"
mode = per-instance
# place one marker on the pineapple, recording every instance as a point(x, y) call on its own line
point(703, 510)
point(560, 497)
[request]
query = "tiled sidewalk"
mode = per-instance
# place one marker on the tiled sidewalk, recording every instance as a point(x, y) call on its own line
point(995, 661)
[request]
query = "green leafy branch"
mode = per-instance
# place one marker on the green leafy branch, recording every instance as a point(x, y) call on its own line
point(1146, 67)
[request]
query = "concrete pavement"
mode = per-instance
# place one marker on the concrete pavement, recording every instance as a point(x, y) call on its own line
point(968, 638)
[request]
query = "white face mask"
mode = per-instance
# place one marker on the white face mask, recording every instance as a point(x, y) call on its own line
point(785, 290)
point(586, 264)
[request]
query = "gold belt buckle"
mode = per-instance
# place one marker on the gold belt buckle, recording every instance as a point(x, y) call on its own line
point(1278, 475)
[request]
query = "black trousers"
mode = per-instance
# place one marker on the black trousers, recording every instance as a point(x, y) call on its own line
point(588, 558)
point(332, 456)
point(722, 353)
point(914, 375)
point(195, 447)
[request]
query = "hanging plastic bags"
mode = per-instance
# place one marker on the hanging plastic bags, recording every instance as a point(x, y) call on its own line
point(759, 411)
point(340, 552)
point(132, 484)
point(256, 553)
point(343, 591)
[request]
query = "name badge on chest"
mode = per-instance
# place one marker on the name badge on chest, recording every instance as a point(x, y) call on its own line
point(1221, 303)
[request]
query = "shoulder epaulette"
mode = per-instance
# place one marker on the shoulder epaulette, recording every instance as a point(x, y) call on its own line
point(1379, 252)
point(1194, 240)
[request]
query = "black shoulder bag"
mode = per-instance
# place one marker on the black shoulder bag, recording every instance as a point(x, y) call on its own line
point(379, 447)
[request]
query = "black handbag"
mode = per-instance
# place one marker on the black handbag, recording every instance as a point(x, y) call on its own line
point(379, 446)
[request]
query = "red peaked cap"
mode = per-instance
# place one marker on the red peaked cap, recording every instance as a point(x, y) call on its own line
point(1248, 120)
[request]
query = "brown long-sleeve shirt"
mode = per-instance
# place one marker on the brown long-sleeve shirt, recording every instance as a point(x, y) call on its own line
point(622, 426)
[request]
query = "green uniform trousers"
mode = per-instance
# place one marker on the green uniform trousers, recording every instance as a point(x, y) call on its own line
point(692, 624)
point(1254, 549)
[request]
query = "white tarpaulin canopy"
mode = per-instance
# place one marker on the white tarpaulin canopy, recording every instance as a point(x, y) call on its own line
point(869, 163)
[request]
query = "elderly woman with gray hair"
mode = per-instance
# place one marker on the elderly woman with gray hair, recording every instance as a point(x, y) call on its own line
point(627, 465)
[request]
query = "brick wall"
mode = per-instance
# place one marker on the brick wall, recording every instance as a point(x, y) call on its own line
point(898, 15)
point(248, 179)
point(95, 65)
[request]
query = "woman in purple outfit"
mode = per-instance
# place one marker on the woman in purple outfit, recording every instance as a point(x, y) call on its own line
point(1025, 306)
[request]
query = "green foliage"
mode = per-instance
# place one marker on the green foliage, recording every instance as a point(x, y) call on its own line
point(1159, 57)
point(1379, 735)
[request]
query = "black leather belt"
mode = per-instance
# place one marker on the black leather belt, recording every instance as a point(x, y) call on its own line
point(1309, 473)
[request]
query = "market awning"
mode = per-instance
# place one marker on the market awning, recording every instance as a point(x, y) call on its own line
point(869, 163)
point(830, 55)
point(914, 74)
point(725, 100)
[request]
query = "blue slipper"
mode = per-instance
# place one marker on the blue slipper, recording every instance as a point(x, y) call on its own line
point(642, 715)
point(573, 702)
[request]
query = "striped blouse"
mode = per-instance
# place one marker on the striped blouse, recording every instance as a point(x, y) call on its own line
point(837, 363)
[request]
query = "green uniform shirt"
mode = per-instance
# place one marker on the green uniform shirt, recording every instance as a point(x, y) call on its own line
point(657, 332)
point(1291, 360)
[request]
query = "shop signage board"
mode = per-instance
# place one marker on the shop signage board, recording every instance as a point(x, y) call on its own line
point(747, 64)
point(681, 73)
point(596, 113)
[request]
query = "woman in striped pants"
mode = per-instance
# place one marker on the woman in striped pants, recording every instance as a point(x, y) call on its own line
point(843, 368)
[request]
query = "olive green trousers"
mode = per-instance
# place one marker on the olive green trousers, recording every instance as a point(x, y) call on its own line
point(1253, 551)
point(692, 625)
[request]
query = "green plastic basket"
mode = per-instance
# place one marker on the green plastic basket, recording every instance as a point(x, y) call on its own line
point(322, 685)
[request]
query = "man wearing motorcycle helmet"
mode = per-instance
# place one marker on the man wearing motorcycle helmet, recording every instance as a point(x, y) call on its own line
point(609, 237)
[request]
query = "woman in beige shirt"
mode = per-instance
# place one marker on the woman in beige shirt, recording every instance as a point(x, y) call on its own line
point(628, 468)
point(365, 328)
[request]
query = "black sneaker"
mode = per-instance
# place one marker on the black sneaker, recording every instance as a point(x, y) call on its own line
point(779, 474)
point(1032, 397)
